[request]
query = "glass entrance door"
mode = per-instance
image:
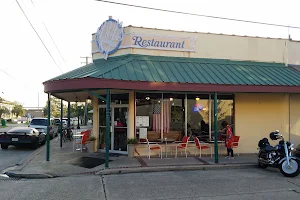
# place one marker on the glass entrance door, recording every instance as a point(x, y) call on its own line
point(102, 126)
point(118, 127)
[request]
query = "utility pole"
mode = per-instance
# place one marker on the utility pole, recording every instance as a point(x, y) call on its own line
point(86, 60)
point(85, 103)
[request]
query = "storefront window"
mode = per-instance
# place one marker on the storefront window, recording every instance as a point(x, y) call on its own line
point(225, 103)
point(164, 113)
point(148, 115)
point(198, 115)
point(175, 114)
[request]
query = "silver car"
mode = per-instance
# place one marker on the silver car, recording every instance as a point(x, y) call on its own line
point(41, 125)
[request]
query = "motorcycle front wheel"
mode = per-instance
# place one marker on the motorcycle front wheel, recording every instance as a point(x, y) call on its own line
point(292, 170)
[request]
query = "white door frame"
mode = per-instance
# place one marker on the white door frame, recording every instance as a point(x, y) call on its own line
point(112, 128)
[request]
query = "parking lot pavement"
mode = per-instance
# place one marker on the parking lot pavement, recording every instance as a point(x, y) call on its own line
point(211, 184)
point(12, 156)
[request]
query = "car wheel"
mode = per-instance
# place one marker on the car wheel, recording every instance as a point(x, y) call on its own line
point(4, 146)
point(35, 145)
point(43, 142)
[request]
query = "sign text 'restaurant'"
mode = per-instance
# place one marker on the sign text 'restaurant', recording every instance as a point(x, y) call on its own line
point(138, 40)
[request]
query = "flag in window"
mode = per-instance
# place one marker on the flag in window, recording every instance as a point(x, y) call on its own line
point(157, 123)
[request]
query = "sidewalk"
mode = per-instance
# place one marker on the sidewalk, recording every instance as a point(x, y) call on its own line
point(65, 162)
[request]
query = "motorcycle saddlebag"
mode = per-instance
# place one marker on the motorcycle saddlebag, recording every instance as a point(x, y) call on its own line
point(263, 143)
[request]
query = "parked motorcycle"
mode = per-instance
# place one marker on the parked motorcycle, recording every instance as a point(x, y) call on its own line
point(278, 156)
point(296, 151)
point(66, 136)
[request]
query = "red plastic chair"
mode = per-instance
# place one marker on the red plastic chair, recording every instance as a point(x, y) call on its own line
point(235, 143)
point(153, 146)
point(83, 141)
point(182, 145)
point(202, 146)
point(85, 137)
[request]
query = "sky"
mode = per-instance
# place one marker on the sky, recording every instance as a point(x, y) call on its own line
point(26, 63)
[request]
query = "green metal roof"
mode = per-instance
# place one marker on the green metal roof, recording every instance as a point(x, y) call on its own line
point(186, 70)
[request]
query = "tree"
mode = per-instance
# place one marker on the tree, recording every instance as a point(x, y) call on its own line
point(89, 107)
point(55, 108)
point(77, 110)
point(3, 110)
point(18, 110)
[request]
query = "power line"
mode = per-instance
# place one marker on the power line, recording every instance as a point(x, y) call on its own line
point(51, 38)
point(24, 85)
point(38, 36)
point(199, 15)
point(16, 79)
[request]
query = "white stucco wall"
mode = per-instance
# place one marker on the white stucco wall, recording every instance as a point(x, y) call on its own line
point(213, 46)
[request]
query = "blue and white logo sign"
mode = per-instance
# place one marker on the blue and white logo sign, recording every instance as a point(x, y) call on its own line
point(109, 37)
point(198, 107)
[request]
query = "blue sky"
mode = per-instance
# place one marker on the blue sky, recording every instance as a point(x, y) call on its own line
point(71, 23)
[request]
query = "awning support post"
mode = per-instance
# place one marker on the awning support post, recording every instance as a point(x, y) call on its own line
point(107, 116)
point(61, 117)
point(69, 121)
point(216, 128)
point(107, 143)
point(48, 130)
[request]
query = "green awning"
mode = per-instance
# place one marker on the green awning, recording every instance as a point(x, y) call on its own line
point(186, 70)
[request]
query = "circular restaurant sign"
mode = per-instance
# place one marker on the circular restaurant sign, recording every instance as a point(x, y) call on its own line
point(109, 36)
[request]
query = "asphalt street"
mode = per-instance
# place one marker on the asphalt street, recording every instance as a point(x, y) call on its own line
point(13, 155)
point(210, 184)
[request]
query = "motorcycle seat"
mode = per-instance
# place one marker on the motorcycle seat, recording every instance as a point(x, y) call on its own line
point(269, 148)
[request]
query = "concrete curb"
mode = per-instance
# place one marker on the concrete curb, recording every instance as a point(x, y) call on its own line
point(28, 176)
point(24, 162)
point(13, 174)
point(174, 168)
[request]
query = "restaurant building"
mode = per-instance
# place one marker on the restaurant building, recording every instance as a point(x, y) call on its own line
point(163, 83)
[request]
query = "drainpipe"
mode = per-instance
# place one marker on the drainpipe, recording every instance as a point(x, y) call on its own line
point(290, 117)
point(69, 120)
point(48, 131)
point(216, 128)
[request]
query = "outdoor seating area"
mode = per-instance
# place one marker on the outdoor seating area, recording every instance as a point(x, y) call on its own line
point(81, 138)
point(188, 146)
